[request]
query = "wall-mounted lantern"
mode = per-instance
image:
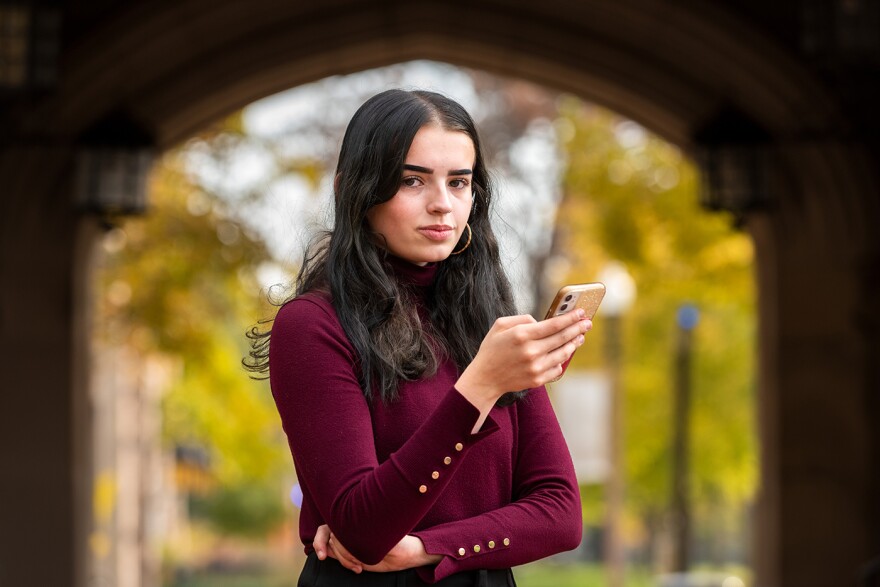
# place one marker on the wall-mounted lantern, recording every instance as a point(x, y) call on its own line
point(113, 164)
point(30, 42)
point(734, 157)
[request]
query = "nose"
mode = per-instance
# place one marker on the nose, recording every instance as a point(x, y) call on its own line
point(440, 201)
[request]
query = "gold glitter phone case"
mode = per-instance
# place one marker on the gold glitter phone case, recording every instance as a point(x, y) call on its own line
point(586, 296)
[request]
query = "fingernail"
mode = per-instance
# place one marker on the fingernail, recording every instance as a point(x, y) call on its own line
point(580, 339)
point(581, 313)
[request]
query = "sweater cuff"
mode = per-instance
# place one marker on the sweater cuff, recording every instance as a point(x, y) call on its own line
point(489, 425)
point(459, 554)
point(444, 440)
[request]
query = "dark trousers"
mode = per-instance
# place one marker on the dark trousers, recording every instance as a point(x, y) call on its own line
point(329, 573)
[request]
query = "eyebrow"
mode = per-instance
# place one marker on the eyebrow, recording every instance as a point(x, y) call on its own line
point(421, 169)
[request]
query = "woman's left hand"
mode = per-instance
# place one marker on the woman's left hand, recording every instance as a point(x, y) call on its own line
point(326, 544)
point(407, 554)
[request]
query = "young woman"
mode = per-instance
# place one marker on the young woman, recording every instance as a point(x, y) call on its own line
point(412, 398)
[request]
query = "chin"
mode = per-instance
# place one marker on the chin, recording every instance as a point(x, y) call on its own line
point(439, 256)
point(434, 255)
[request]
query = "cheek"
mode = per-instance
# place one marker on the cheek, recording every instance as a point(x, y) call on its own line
point(382, 217)
point(370, 218)
point(464, 211)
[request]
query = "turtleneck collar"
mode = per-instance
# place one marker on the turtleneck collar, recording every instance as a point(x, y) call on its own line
point(412, 274)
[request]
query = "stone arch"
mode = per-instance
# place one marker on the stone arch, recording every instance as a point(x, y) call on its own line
point(666, 66)
point(670, 65)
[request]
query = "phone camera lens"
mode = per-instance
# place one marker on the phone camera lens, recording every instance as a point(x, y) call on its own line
point(568, 298)
point(563, 308)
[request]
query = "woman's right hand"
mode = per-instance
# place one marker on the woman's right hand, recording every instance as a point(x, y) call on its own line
point(519, 353)
point(407, 554)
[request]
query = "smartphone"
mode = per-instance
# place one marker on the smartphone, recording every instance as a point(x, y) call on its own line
point(586, 296)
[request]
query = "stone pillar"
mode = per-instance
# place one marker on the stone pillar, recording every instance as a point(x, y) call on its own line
point(766, 525)
point(45, 477)
point(869, 321)
point(815, 508)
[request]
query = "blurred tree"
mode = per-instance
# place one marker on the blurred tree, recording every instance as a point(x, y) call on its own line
point(297, 135)
point(631, 196)
point(180, 282)
point(243, 509)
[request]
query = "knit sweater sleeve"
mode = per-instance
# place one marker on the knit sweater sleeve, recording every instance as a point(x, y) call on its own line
point(370, 506)
point(544, 517)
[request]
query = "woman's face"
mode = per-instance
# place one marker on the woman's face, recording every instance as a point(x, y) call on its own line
point(424, 220)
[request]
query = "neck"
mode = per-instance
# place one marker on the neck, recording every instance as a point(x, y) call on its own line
point(411, 274)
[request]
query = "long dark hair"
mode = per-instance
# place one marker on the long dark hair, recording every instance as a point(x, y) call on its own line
point(470, 290)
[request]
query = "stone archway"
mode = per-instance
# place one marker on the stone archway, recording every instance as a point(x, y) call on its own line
point(177, 66)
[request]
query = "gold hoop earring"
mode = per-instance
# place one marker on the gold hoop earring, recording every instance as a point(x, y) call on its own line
point(467, 244)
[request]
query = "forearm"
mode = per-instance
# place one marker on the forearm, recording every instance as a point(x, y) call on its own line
point(516, 534)
point(545, 516)
point(331, 433)
point(409, 553)
point(376, 507)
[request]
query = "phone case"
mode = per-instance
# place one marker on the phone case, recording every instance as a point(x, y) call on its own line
point(586, 296)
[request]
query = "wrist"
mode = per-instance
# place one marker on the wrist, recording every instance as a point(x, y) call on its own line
point(431, 559)
point(481, 394)
point(421, 557)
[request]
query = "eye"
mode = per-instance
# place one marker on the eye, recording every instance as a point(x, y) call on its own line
point(411, 181)
point(458, 184)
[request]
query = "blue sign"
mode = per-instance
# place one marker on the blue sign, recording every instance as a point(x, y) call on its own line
point(688, 316)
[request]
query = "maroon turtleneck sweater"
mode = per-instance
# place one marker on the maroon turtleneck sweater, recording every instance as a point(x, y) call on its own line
point(375, 472)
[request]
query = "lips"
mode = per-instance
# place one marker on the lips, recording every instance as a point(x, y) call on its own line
point(437, 232)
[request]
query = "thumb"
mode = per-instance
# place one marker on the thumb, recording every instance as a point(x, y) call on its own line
point(320, 542)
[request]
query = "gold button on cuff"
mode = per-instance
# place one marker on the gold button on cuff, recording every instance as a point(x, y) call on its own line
point(476, 548)
point(491, 544)
point(461, 552)
point(459, 446)
point(447, 461)
point(423, 489)
point(506, 542)
point(435, 475)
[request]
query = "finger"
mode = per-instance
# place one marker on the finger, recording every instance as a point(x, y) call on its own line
point(551, 326)
point(559, 339)
point(563, 353)
point(507, 322)
point(570, 332)
point(343, 560)
point(341, 549)
point(320, 541)
point(557, 360)
point(344, 557)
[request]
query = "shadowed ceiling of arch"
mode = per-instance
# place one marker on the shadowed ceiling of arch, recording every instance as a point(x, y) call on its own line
point(178, 66)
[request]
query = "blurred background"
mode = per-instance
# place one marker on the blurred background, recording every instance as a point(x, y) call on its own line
point(715, 162)
point(193, 475)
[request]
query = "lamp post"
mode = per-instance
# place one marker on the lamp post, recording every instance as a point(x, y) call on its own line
point(687, 319)
point(620, 295)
